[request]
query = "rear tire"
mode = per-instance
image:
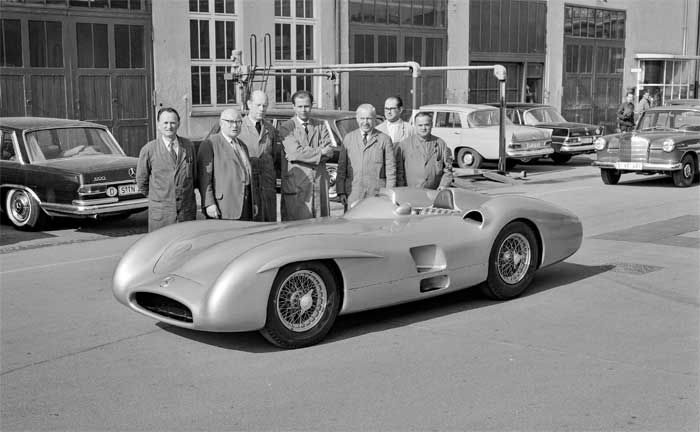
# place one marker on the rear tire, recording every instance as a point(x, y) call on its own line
point(512, 262)
point(560, 158)
point(23, 211)
point(686, 175)
point(303, 305)
point(610, 176)
point(468, 158)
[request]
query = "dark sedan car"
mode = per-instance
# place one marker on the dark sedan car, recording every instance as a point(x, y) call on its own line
point(58, 167)
point(666, 141)
point(568, 138)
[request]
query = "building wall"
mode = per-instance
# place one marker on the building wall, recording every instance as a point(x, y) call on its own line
point(457, 51)
point(651, 27)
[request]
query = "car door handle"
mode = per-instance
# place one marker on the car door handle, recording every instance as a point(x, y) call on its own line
point(456, 132)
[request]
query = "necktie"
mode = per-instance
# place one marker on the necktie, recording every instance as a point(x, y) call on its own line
point(258, 127)
point(306, 128)
point(364, 139)
point(173, 153)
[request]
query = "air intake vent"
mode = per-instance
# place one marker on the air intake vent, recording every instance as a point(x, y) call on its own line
point(163, 306)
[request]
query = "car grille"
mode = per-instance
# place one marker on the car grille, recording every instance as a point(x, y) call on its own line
point(634, 150)
point(163, 306)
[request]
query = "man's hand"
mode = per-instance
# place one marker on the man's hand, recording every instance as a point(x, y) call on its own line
point(213, 211)
point(327, 151)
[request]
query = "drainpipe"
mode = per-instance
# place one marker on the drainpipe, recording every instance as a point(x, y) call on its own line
point(685, 26)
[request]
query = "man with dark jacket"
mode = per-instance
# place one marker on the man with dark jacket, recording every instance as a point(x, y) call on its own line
point(625, 114)
point(166, 173)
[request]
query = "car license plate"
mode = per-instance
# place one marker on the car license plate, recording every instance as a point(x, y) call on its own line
point(128, 189)
point(628, 165)
point(586, 140)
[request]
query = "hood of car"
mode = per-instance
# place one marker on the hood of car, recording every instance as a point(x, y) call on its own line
point(211, 249)
point(96, 169)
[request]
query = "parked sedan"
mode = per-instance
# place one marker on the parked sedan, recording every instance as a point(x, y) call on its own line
point(471, 132)
point(568, 138)
point(58, 167)
point(666, 140)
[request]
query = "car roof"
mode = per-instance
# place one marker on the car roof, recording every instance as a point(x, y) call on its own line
point(522, 105)
point(24, 123)
point(675, 108)
point(455, 107)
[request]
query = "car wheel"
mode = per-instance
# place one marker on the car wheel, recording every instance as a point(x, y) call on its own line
point(23, 210)
point(560, 158)
point(332, 176)
point(685, 176)
point(512, 262)
point(303, 305)
point(468, 158)
point(610, 176)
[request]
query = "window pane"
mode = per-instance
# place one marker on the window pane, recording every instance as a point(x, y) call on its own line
point(122, 52)
point(224, 6)
point(84, 35)
point(417, 12)
point(37, 44)
point(412, 49)
point(406, 14)
point(196, 86)
point(194, 6)
point(54, 36)
point(206, 90)
point(135, 4)
point(567, 21)
point(119, 4)
point(355, 7)
point(137, 49)
point(286, 41)
point(368, 11)
point(204, 39)
point(380, 11)
point(309, 8)
point(10, 43)
point(300, 42)
point(309, 42)
point(299, 8)
point(283, 85)
point(194, 39)
point(220, 35)
point(428, 13)
point(386, 49)
point(393, 11)
point(101, 46)
point(225, 89)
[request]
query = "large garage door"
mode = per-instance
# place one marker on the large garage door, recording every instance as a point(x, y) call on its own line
point(594, 50)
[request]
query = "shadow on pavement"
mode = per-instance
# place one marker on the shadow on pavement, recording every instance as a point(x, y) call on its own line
point(10, 235)
point(358, 324)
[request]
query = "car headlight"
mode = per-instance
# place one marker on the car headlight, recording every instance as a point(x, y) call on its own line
point(668, 145)
point(599, 131)
point(599, 144)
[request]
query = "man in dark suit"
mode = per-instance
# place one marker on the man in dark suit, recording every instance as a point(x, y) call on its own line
point(260, 139)
point(166, 173)
point(307, 147)
point(225, 176)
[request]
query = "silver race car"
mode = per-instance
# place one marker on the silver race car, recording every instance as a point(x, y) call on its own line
point(291, 280)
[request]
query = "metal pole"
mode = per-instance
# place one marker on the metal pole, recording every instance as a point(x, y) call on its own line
point(500, 73)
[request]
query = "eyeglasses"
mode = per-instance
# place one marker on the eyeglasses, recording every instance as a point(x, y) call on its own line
point(390, 108)
point(232, 122)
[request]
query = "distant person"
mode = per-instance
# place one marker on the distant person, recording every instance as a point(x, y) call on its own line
point(644, 103)
point(260, 139)
point(423, 160)
point(367, 161)
point(625, 114)
point(397, 129)
point(225, 175)
point(529, 95)
point(166, 174)
point(306, 148)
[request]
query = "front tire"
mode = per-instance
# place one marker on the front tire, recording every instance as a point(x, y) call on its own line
point(23, 210)
point(303, 305)
point(686, 175)
point(468, 158)
point(610, 176)
point(512, 262)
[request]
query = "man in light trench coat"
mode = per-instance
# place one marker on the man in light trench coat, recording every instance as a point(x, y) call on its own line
point(307, 147)
point(166, 174)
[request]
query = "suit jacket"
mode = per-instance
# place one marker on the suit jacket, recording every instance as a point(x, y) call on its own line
point(423, 163)
point(404, 130)
point(363, 170)
point(261, 152)
point(222, 175)
point(169, 185)
point(304, 176)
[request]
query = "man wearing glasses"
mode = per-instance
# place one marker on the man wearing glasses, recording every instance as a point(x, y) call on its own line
point(224, 172)
point(397, 129)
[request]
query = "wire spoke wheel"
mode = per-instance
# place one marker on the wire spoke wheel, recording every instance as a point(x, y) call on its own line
point(301, 300)
point(514, 257)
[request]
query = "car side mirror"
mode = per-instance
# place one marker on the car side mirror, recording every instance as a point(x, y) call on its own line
point(403, 209)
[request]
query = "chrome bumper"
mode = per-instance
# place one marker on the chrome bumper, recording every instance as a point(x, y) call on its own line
point(86, 208)
point(576, 149)
point(529, 153)
point(643, 166)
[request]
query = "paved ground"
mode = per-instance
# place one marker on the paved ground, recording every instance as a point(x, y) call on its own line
point(607, 340)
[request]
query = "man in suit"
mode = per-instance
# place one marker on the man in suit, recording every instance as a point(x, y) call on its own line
point(225, 175)
point(366, 161)
point(307, 147)
point(260, 139)
point(166, 173)
point(423, 160)
point(397, 129)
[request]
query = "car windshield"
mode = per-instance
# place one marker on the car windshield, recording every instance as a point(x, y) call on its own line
point(536, 116)
point(483, 118)
point(76, 142)
point(670, 120)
